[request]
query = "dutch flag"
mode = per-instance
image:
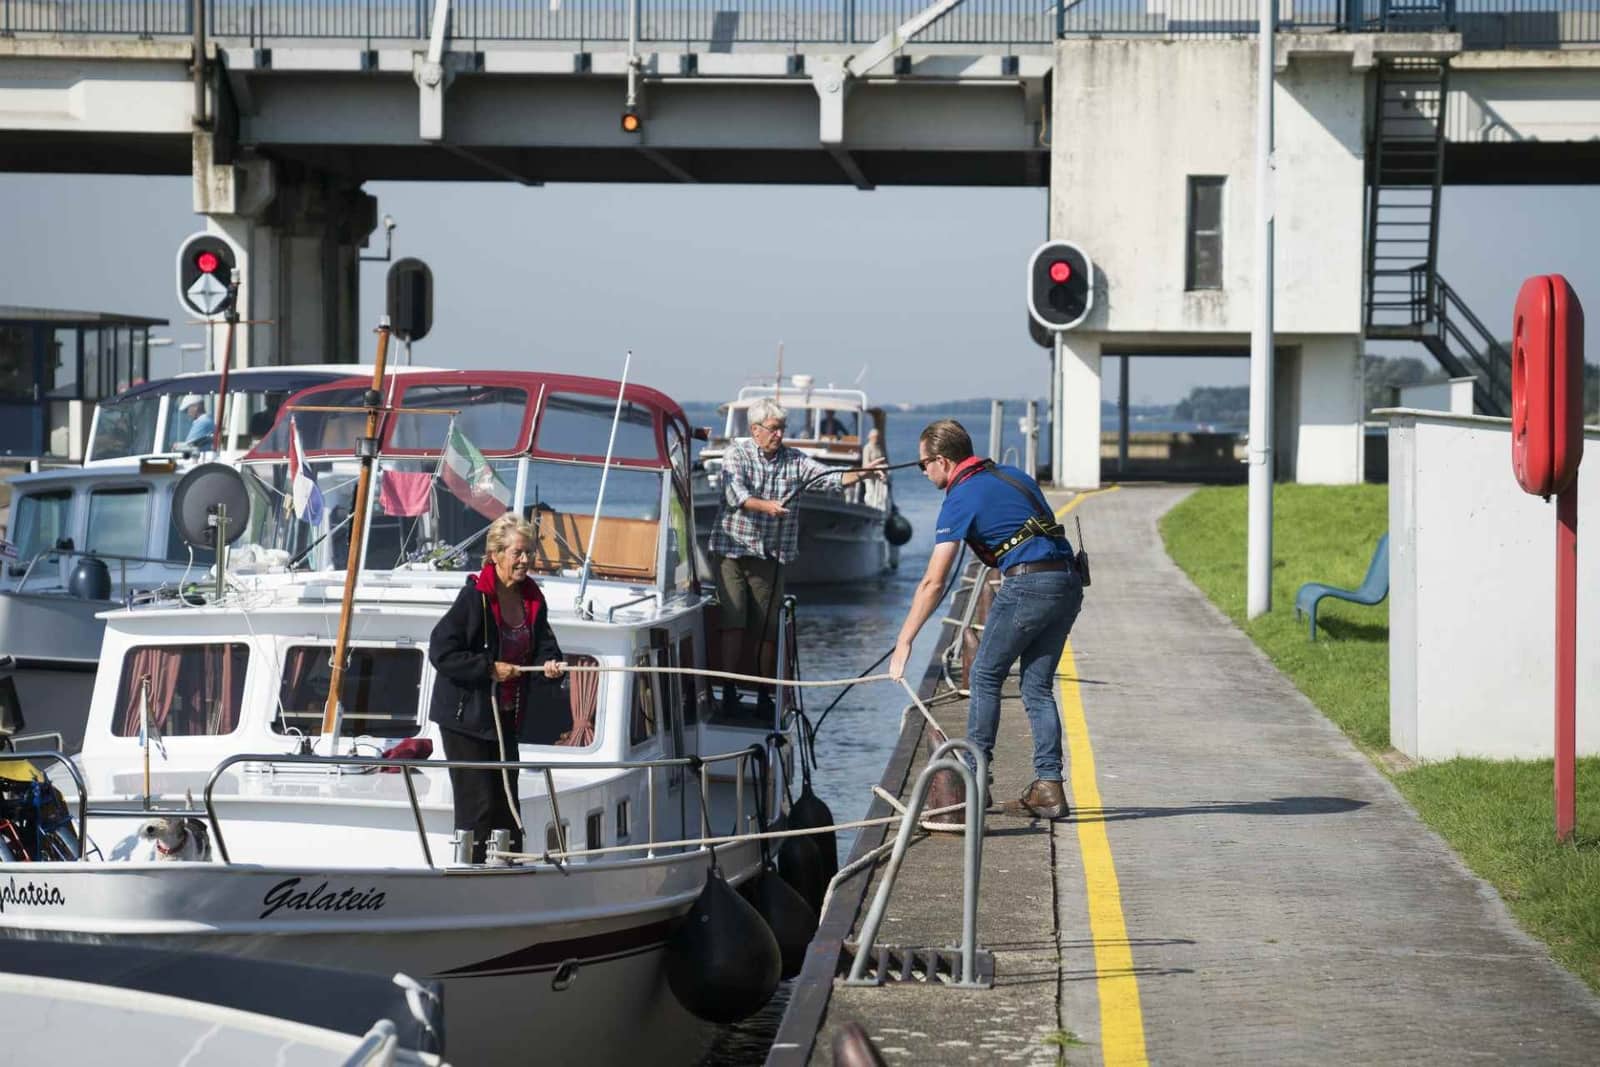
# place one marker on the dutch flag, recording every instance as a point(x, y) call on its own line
point(305, 496)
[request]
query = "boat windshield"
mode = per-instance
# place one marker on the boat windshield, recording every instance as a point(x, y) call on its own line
point(125, 429)
point(434, 512)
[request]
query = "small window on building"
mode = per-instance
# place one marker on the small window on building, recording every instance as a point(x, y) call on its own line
point(194, 690)
point(1204, 254)
point(119, 522)
point(379, 690)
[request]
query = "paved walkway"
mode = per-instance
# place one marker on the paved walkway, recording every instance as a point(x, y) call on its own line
point(1238, 883)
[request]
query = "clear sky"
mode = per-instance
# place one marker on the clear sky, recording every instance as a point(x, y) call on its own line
point(922, 287)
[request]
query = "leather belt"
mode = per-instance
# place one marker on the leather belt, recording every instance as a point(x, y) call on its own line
point(1033, 568)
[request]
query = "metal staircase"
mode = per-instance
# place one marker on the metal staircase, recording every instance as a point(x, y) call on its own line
point(1406, 299)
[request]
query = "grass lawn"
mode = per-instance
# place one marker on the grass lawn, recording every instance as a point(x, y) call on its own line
point(1498, 815)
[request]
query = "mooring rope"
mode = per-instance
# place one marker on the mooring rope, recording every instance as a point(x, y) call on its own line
point(729, 839)
point(808, 683)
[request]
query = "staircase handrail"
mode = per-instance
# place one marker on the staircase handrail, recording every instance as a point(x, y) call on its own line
point(1485, 349)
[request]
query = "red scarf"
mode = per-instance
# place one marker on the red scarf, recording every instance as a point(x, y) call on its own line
point(532, 598)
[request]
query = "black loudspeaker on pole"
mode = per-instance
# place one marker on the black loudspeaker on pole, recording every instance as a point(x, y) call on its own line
point(410, 299)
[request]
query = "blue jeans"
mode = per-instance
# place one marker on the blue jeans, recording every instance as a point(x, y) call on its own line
point(1030, 618)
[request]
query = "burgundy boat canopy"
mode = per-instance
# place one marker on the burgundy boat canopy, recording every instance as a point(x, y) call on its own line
point(500, 413)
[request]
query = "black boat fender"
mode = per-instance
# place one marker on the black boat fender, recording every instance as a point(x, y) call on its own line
point(722, 962)
point(809, 812)
point(897, 528)
point(792, 921)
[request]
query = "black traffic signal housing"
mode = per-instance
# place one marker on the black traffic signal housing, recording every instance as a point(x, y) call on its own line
point(206, 267)
point(1060, 285)
point(410, 299)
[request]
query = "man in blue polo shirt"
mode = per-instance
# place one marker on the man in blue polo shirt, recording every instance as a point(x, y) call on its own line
point(1002, 514)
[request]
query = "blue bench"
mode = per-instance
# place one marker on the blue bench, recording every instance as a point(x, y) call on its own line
point(1372, 590)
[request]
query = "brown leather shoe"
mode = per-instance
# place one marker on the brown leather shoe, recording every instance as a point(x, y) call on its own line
point(1043, 800)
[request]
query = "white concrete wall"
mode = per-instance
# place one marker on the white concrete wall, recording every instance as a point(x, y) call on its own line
point(1453, 395)
point(1134, 119)
point(1472, 594)
point(1524, 96)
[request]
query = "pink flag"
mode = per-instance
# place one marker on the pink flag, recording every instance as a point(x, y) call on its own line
point(406, 492)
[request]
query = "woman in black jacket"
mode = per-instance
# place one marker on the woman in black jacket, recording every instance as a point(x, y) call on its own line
point(498, 623)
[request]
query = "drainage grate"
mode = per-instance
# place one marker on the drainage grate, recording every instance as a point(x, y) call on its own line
point(925, 966)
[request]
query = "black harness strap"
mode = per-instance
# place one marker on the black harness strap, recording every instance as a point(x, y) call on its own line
point(1039, 524)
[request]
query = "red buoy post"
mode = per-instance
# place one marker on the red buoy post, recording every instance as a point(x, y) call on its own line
point(1546, 448)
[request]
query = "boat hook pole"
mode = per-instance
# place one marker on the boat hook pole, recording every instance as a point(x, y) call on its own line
point(366, 451)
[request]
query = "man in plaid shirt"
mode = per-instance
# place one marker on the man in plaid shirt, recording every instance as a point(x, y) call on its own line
point(756, 534)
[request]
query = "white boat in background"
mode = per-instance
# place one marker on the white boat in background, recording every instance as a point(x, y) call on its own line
point(320, 858)
point(86, 539)
point(843, 531)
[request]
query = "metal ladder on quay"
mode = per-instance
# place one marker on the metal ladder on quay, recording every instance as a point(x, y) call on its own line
point(1406, 298)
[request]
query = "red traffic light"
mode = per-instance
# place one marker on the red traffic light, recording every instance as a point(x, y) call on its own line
point(1060, 271)
point(207, 262)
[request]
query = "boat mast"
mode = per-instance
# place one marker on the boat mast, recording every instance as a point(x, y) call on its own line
point(366, 452)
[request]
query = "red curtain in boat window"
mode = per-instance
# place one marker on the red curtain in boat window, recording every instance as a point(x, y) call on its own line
point(195, 690)
point(584, 694)
point(160, 665)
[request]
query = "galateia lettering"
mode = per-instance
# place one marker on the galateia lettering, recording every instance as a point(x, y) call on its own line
point(31, 894)
point(287, 895)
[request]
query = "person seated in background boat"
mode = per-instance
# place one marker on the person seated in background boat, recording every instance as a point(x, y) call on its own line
point(202, 427)
point(498, 624)
point(755, 535)
point(830, 425)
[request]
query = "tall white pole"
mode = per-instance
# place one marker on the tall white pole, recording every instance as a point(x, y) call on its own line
point(1258, 586)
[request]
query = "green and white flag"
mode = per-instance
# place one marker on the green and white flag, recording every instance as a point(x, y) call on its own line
point(470, 476)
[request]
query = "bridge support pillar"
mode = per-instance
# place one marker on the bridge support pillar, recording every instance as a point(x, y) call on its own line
point(1078, 440)
point(299, 232)
point(1324, 440)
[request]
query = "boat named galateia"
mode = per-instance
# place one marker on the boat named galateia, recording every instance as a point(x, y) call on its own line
point(847, 534)
point(318, 857)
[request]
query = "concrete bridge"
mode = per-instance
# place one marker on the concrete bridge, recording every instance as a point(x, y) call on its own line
point(1135, 113)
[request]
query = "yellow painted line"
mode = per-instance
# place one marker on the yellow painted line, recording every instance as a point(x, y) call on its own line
point(1121, 1019)
point(1061, 512)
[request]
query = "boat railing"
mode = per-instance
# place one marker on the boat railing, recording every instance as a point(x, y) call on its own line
point(83, 792)
point(208, 810)
point(121, 560)
point(546, 768)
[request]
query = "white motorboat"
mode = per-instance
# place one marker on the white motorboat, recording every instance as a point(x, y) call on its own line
point(181, 1007)
point(317, 856)
point(844, 532)
point(83, 540)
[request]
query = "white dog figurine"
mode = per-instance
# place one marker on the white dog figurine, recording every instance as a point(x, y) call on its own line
point(173, 839)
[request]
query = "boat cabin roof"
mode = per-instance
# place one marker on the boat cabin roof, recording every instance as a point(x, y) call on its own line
point(264, 379)
point(501, 413)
